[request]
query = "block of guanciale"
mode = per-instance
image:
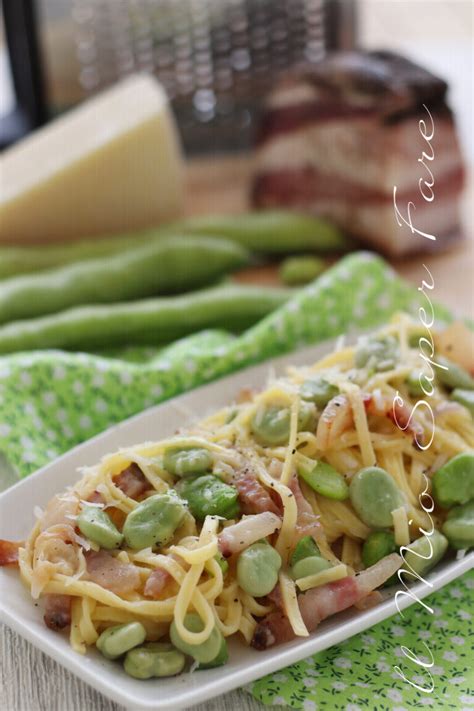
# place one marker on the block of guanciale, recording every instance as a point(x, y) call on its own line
point(336, 139)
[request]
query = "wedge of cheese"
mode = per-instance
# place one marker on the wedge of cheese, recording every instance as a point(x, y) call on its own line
point(111, 165)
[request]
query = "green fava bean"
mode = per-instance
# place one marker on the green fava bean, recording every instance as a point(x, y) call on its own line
point(257, 569)
point(464, 397)
point(155, 659)
point(453, 483)
point(374, 495)
point(325, 480)
point(319, 391)
point(202, 653)
point(271, 424)
point(309, 566)
point(222, 563)
point(117, 640)
point(459, 526)
point(452, 375)
point(188, 461)
point(378, 354)
point(94, 523)
point(209, 496)
point(153, 522)
point(413, 384)
point(376, 546)
point(221, 659)
point(305, 548)
point(424, 553)
point(295, 271)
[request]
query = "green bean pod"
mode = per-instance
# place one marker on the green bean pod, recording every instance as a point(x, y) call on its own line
point(296, 271)
point(269, 232)
point(168, 267)
point(273, 231)
point(150, 321)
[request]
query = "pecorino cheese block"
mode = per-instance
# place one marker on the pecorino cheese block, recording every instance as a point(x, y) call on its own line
point(111, 165)
point(336, 139)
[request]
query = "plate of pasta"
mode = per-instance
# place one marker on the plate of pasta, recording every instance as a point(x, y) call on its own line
point(251, 522)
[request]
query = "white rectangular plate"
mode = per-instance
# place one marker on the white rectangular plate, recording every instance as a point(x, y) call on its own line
point(246, 664)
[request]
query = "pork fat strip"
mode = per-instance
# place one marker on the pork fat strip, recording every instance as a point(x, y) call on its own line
point(253, 497)
point(57, 611)
point(324, 601)
point(156, 583)
point(9, 552)
point(110, 573)
point(235, 538)
point(132, 481)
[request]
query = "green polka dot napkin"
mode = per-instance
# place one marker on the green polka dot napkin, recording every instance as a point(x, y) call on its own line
point(52, 400)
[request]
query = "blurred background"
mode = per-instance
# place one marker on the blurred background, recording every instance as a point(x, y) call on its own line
point(216, 59)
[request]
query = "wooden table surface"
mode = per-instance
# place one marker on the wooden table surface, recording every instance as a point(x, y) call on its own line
point(29, 680)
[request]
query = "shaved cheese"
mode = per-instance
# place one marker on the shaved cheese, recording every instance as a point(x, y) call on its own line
point(325, 576)
point(400, 526)
point(287, 472)
point(361, 425)
point(291, 607)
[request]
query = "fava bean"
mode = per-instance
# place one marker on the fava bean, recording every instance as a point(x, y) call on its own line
point(233, 307)
point(155, 659)
point(453, 483)
point(424, 553)
point(171, 266)
point(210, 496)
point(309, 566)
point(374, 495)
point(273, 231)
point(464, 397)
point(325, 480)
point(222, 563)
point(117, 640)
point(459, 526)
point(202, 653)
point(97, 526)
point(221, 659)
point(413, 384)
point(319, 391)
point(271, 424)
point(376, 546)
point(377, 353)
point(153, 522)
point(187, 461)
point(296, 271)
point(452, 375)
point(305, 548)
point(257, 569)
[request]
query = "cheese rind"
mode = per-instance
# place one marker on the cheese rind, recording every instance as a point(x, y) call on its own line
point(111, 165)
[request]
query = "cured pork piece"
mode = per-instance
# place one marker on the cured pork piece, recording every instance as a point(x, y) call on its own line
point(319, 603)
point(335, 140)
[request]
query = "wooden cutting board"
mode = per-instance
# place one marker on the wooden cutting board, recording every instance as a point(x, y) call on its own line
point(221, 184)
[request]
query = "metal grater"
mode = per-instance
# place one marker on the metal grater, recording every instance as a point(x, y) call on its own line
point(216, 58)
